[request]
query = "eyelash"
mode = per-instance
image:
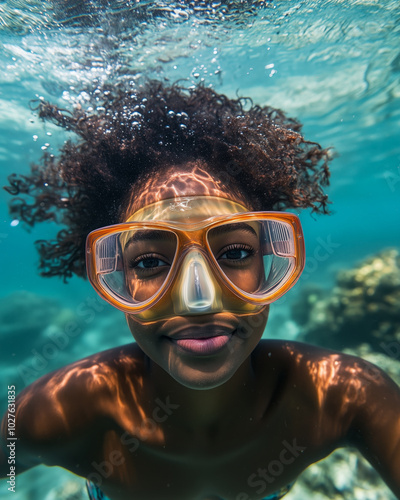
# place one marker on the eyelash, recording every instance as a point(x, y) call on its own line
point(135, 262)
point(239, 246)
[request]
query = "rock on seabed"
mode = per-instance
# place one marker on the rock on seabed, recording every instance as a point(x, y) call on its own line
point(360, 316)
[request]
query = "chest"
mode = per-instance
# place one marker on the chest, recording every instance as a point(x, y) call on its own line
point(248, 464)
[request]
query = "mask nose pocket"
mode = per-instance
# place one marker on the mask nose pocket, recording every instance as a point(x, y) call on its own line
point(197, 289)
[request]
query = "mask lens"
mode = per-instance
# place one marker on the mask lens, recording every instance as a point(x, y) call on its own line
point(256, 256)
point(134, 264)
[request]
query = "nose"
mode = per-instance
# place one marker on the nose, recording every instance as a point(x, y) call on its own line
point(195, 290)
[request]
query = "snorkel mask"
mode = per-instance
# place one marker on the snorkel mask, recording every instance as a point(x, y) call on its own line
point(176, 257)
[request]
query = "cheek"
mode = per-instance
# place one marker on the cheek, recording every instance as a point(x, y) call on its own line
point(140, 331)
point(253, 326)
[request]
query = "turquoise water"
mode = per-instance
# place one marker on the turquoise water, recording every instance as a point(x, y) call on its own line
point(335, 65)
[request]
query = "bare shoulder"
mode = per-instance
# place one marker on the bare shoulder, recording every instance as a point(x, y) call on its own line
point(340, 387)
point(321, 365)
point(71, 404)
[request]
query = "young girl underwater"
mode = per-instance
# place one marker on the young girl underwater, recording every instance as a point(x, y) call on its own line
point(180, 197)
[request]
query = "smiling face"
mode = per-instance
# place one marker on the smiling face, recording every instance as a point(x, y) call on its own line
point(199, 347)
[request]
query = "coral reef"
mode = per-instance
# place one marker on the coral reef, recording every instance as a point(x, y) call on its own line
point(345, 475)
point(364, 306)
point(24, 317)
point(70, 490)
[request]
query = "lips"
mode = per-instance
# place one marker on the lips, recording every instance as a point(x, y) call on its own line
point(204, 345)
point(202, 341)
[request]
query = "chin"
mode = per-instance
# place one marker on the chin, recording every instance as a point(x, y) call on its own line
point(199, 380)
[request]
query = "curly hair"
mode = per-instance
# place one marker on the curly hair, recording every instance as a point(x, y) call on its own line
point(137, 132)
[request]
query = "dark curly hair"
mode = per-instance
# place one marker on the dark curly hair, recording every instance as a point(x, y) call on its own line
point(136, 132)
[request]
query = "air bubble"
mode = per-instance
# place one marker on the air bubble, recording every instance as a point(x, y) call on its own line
point(14, 223)
point(35, 137)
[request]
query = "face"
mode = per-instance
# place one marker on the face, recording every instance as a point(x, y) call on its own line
point(201, 348)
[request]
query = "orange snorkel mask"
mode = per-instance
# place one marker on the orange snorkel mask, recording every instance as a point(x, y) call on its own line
point(176, 257)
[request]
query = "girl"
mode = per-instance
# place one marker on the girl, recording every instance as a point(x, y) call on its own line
point(182, 195)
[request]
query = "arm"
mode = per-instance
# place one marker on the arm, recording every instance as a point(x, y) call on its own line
point(375, 427)
point(53, 419)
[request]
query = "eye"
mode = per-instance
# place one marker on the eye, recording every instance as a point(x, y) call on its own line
point(236, 253)
point(150, 263)
point(147, 262)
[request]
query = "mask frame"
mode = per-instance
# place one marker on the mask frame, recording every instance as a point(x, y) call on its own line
point(192, 236)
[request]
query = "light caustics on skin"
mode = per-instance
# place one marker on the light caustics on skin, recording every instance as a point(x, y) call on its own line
point(193, 181)
point(114, 391)
point(349, 377)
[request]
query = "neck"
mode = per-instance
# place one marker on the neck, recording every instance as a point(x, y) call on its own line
point(205, 407)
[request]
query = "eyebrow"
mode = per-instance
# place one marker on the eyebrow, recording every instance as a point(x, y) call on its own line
point(157, 235)
point(150, 235)
point(228, 228)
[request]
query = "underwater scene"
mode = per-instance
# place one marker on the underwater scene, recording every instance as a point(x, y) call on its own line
point(334, 65)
